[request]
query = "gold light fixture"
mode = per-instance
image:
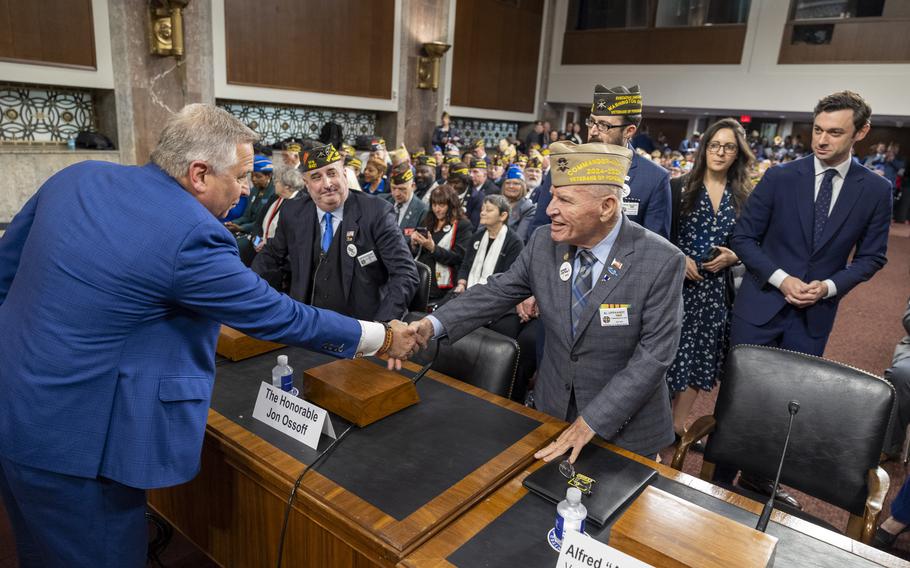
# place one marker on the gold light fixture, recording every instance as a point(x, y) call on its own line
point(428, 67)
point(166, 27)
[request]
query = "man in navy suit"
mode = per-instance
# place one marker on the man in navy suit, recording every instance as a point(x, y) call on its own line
point(798, 229)
point(110, 322)
point(795, 237)
point(615, 118)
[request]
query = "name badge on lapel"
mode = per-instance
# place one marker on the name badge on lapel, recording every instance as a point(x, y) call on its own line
point(367, 258)
point(630, 206)
point(612, 315)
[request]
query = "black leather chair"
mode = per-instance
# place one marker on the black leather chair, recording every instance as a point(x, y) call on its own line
point(482, 358)
point(422, 295)
point(837, 434)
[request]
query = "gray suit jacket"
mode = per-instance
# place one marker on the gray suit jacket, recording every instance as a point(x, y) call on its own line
point(617, 372)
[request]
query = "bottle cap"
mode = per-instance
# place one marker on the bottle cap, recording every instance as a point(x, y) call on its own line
point(573, 495)
point(282, 360)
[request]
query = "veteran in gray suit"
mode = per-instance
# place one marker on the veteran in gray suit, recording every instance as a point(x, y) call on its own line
point(610, 298)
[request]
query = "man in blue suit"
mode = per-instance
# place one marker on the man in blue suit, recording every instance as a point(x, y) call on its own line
point(798, 229)
point(615, 118)
point(113, 281)
point(795, 236)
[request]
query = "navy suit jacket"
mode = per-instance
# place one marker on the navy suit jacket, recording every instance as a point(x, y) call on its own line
point(379, 290)
point(775, 232)
point(650, 185)
point(113, 281)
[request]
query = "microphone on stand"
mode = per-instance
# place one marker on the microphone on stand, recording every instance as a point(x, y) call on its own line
point(792, 408)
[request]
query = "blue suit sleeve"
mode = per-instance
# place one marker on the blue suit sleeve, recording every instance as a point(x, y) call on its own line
point(751, 228)
point(210, 279)
point(869, 255)
point(13, 242)
point(543, 201)
point(657, 217)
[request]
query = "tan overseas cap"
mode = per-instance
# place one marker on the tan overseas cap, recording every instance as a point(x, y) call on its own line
point(589, 164)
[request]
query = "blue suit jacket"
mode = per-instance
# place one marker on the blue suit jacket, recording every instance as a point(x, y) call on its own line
point(775, 231)
point(112, 282)
point(650, 185)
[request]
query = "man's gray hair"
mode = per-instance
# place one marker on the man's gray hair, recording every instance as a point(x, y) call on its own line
point(200, 132)
point(291, 178)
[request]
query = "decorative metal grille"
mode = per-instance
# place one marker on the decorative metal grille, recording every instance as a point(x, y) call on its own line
point(44, 114)
point(492, 131)
point(277, 122)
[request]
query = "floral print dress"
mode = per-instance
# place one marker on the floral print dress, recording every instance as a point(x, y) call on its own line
point(705, 329)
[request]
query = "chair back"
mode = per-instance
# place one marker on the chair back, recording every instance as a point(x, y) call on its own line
point(422, 295)
point(837, 433)
point(483, 358)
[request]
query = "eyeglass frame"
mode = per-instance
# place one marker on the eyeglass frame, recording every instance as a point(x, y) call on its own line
point(590, 123)
point(727, 148)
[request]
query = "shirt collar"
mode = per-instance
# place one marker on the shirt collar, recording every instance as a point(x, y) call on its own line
point(337, 214)
point(602, 249)
point(841, 168)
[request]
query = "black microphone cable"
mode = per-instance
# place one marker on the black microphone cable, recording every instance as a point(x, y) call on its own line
point(293, 495)
point(423, 370)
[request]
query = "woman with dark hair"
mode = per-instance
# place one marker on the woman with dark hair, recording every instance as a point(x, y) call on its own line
point(445, 132)
point(711, 198)
point(441, 239)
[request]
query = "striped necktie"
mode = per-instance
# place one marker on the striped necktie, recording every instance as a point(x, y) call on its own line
point(581, 286)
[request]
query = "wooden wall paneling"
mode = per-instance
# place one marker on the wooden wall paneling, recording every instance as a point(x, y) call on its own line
point(719, 45)
point(50, 32)
point(495, 54)
point(344, 47)
point(675, 129)
point(857, 40)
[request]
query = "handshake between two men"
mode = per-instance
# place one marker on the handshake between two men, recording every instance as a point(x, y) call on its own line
point(407, 340)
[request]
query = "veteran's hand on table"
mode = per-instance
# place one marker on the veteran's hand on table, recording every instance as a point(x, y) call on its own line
point(575, 437)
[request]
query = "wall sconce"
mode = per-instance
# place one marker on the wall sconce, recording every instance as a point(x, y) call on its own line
point(428, 67)
point(166, 27)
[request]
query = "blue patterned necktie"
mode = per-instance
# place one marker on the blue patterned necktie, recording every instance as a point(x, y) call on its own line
point(327, 234)
point(822, 205)
point(581, 286)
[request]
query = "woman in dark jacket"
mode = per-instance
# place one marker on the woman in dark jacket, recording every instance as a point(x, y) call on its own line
point(441, 241)
point(492, 250)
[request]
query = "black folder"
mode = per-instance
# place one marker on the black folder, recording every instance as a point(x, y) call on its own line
point(619, 480)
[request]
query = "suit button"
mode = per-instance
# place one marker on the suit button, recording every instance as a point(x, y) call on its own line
point(568, 387)
point(573, 357)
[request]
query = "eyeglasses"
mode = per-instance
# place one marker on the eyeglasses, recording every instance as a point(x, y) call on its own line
point(584, 483)
point(603, 126)
point(729, 148)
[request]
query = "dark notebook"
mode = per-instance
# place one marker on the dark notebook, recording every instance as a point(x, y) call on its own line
point(619, 480)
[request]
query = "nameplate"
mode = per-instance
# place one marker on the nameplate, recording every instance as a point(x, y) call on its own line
point(581, 551)
point(291, 415)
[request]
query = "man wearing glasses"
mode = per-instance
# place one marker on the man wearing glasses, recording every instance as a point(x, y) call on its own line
point(615, 117)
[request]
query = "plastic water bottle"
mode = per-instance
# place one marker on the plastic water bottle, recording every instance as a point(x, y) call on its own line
point(570, 514)
point(71, 142)
point(283, 374)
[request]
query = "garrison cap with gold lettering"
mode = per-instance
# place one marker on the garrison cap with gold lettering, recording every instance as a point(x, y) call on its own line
point(402, 174)
point(478, 163)
point(452, 160)
point(353, 162)
point(458, 168)
point(479, 143)
point(616, 101)
point(318, 157)
point(589, 164)
point(534, 162)
point(426, 160)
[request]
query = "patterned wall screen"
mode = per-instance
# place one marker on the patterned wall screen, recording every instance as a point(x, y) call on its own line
point(490, 130)
point(44, 114)
point(277, 122)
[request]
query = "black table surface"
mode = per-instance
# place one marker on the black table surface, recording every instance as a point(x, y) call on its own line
point(398, 464)
point(518, 537)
